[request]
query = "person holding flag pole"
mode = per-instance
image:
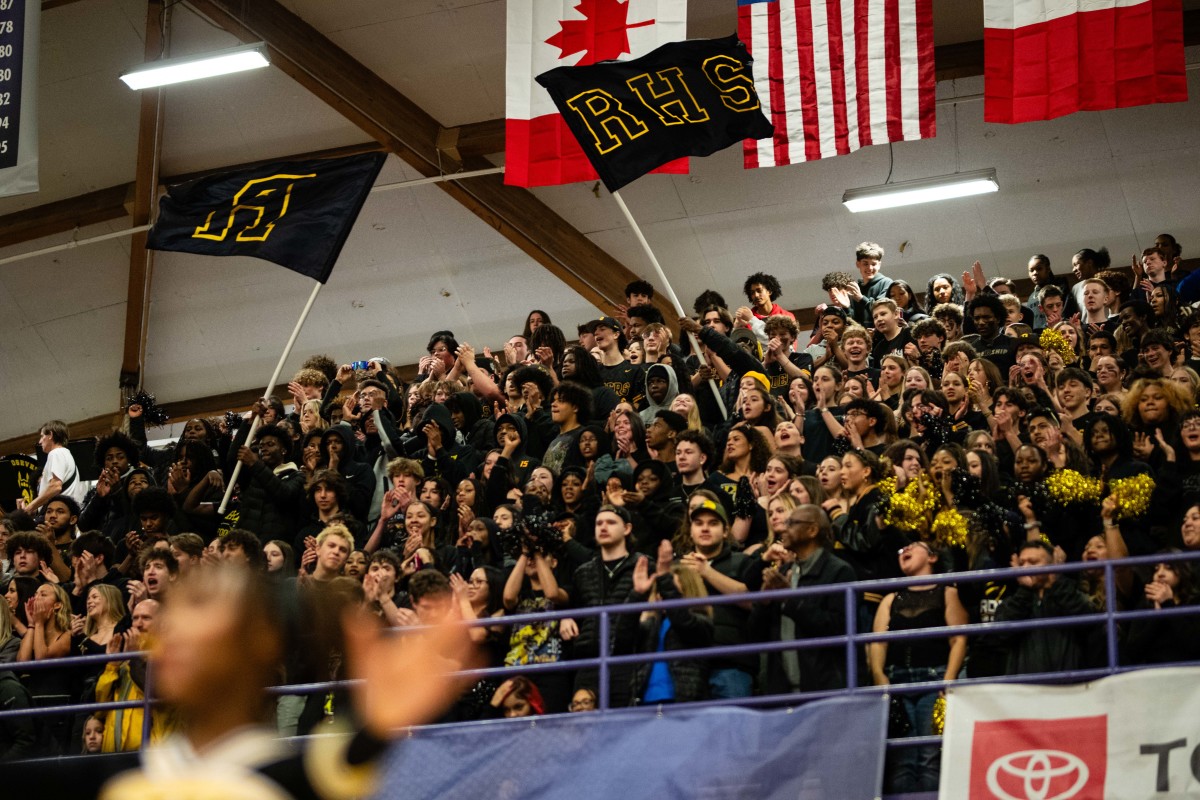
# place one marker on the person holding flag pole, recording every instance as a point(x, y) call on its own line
point(689, 98)
point(662, 276)
point(297, 214)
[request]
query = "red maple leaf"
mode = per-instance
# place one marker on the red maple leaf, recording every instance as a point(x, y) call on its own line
point(601, 36)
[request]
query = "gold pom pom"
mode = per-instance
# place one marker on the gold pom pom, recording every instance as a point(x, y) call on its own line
point(887, 486)
point(1132, 495)
point(1053, 340)
point(950, 528)
point(939, 716)
point(1067, 486)
point(912, 510)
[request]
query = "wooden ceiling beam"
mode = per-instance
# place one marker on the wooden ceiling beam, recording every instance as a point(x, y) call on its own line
point(407, 130)
point(65, 215)
point(473, 140)
point(145, 191)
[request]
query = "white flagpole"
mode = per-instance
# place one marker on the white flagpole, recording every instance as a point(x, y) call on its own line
point(637, 231)
point(287, 351)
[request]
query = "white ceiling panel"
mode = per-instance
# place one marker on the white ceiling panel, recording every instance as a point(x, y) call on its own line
point(450, 63)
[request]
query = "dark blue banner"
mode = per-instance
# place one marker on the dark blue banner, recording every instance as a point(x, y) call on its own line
point(20, 35)
point(12, 54)
point(825, 749)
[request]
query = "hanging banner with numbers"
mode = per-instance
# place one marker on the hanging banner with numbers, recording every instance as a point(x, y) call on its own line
point(19, 36)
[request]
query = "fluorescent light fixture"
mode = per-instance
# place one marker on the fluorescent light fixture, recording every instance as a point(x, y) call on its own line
point(189, 68)
point(922, 190)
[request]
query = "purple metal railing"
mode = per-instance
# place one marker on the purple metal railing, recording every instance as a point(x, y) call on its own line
point(851, 640)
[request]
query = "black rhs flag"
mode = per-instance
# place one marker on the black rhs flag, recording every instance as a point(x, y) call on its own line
point(294, 213)
point(684, 99)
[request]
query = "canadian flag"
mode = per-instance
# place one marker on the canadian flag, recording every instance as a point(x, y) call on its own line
point(543, 34)
point(1047, 58)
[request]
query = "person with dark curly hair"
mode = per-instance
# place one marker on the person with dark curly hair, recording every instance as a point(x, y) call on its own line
point(570, 410)
point(762, 290)
point(989, 339)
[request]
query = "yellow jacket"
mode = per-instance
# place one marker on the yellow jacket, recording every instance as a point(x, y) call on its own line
point(123, 726)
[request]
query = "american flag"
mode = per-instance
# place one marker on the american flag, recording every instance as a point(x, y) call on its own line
point(837, 75)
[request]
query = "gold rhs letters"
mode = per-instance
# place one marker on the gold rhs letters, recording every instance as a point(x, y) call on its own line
point(667, 95)
point(729, 76)
point(273, 195)
point(607, 120)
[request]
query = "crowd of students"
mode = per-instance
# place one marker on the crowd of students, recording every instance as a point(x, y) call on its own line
point(966, 428)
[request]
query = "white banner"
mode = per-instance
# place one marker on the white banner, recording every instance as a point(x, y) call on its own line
point(20, 26)
point(1131, 736)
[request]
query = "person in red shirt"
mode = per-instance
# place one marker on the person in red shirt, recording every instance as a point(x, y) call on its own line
point(762, 290)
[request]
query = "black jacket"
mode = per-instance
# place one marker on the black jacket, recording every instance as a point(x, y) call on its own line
point(1163, 639)
point(739, 362)
point(359, 475)
point(691, 628)
point(594, 587)
point(541, 431)
point(17, 736)
point(861, 542)
point(658, 516)
point(731, 621)
point(1044, 649)
point(269, 505)
point(477, 429)
point(814, 616)
point(454, 462)
point(510, 473)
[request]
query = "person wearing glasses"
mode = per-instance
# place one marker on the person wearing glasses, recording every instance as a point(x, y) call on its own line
point(867, 425)
point(915, 769)
point(803, 556)
point(582, 701)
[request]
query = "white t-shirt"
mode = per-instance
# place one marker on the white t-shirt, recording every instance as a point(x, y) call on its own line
point(61, 463)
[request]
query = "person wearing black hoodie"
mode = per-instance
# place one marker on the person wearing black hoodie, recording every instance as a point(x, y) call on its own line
point(536, 387)
point(109, 507)
point(655, 507)
point(271, 488)
point(515, 464)
point(738, 360)
point(467, 413)
point(443, 455)
point(338, 453)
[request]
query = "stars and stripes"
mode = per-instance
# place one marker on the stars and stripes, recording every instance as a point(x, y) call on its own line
point(838, 75)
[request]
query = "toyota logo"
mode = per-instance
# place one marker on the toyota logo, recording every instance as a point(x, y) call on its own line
point(1037, 775)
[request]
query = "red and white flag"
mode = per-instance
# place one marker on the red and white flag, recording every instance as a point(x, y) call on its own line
point(543, 34)
point(1047, 58)
point(837, 75)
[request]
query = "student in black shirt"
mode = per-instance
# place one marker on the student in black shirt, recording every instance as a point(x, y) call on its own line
point(988, 314)
point(890, 335)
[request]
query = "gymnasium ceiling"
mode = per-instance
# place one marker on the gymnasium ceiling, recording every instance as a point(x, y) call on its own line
point(419, 261)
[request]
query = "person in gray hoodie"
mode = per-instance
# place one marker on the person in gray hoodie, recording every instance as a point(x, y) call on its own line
point(661, 388)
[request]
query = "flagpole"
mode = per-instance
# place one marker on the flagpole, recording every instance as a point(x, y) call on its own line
point(287, 351)
point(637, 231)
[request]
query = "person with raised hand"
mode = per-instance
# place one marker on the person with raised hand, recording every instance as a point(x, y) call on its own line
point(220, 644)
